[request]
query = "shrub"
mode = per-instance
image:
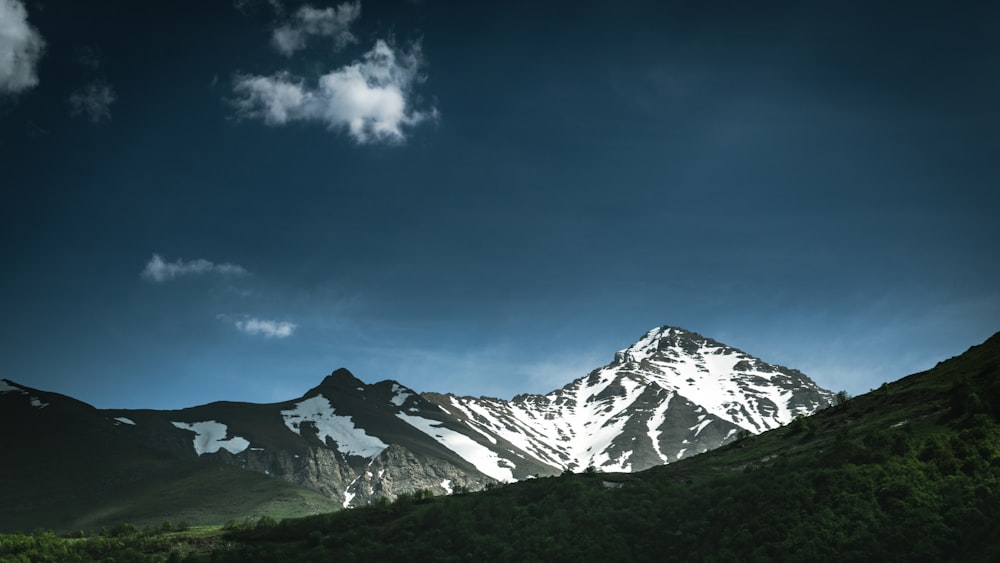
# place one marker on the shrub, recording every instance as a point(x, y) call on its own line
point(123, 529)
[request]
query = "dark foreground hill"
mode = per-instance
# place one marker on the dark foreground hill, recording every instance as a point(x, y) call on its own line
point(908, 472)
point(73, 469)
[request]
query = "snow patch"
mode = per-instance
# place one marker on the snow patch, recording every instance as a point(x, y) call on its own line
point(6, 387)
point(446, 485)
point(348, 495)
point(486, 461)
point(350, 439)
point(210, 437)
point(700, 426)
point(125, 420)
point(399, 396)
point(653, 424)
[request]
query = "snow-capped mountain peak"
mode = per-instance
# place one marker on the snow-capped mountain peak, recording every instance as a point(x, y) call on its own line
point(672, 394)
point(727, 382)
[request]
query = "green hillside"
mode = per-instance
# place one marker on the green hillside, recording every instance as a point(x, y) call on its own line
point(908, 472)
point(67, 468)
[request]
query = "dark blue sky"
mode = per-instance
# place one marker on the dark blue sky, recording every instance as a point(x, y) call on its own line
point(488, 198)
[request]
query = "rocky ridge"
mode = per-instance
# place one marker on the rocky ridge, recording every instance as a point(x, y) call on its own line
point(672, 394)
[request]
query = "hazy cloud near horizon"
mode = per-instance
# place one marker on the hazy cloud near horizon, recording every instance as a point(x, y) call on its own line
point(158, 270)
point(267, 328)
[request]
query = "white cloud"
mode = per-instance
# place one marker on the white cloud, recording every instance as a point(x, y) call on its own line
point(159, 271)
point(94, 101)
point(370, 98)
point(268, 329)
point(333, 22)
point(20, 48)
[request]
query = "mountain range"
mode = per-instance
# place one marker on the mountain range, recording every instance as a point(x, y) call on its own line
point(346, 443)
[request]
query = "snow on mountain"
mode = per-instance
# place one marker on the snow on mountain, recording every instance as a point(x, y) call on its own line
point(318, 411)
point(399, 394)
point(672, 393)
point(210, 437)
point(7, 387)
point(486, 460)
point(726, 382)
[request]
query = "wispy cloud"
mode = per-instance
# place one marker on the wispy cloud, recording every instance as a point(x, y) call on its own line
point(20, 48)
point(332, 22)
point(93, 101)
point(370, 99)
point(157, 270)
point(265, 328)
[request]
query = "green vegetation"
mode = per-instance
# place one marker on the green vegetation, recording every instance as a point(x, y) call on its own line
point(908, 472)
point(122, 542)
point(194, 492)
point(99, 474)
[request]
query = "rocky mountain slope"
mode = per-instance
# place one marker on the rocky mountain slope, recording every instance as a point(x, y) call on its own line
point(669, 396)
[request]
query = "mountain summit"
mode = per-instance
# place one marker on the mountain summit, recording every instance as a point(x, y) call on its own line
point(671, 395)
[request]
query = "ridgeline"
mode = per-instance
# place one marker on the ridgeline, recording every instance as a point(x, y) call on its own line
point(907, 472)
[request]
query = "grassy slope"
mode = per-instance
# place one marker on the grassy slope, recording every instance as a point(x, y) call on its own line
point(67, 467)
point(202, 493)
point(163, 490)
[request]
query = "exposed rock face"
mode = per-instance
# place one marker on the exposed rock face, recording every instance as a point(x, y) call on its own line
point(320, 469)
point(394, 471)
point(398, 470)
